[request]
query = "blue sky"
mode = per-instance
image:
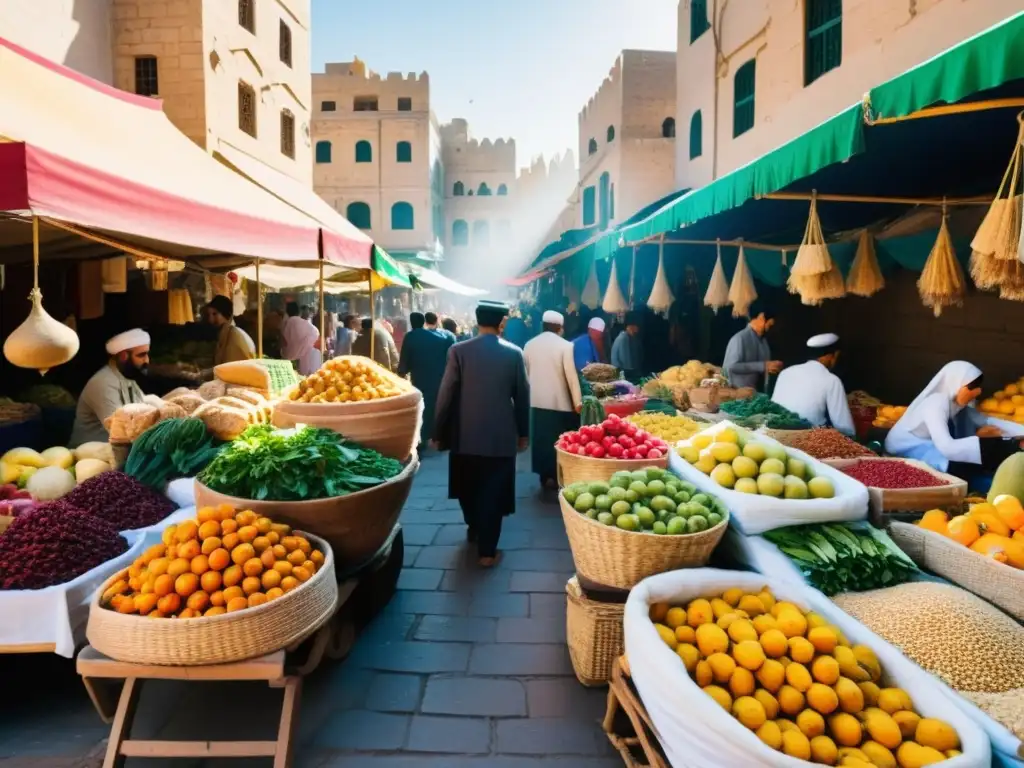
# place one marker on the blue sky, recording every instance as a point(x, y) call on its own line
point(514, 68)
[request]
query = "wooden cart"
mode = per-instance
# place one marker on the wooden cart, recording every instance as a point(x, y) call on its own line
point(627, 725)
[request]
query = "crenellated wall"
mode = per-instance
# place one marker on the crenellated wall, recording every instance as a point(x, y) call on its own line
point(344, 82)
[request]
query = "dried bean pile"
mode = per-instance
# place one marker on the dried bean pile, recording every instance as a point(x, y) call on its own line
point(824, 443)
point(120, 500)
point(891, 474)
point(53, 545)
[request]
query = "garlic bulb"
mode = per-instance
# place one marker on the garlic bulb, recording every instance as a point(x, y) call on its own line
point(40, 342)
point(614, 302)
point(661, 297)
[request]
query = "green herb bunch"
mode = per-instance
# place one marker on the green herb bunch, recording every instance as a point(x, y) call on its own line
point(268, 464)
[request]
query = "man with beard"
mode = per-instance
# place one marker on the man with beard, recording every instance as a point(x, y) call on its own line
point(111, 387)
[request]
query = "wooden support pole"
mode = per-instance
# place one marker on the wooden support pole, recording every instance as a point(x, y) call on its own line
point(259, 312)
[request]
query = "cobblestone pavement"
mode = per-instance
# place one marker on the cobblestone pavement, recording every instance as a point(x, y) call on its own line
point(464, 668)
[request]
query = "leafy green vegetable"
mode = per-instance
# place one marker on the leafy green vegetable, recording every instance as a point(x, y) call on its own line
point(169, 449)
point(844, 557)
point(761, 411)
point(268, 464)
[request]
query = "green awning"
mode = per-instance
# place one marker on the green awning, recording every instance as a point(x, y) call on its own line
point(984, 62)
point(387, 268)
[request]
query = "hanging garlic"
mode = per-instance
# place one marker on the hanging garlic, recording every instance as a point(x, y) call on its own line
point(614, 302)
point(661, 297)
point(591, 296)
point(40, 342)
point(717, 295)
point(742, 292)
point(865, 278)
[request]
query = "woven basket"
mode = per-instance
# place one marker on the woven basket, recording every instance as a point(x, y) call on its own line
point(393, 431)
point(583, 469)
point(217, 639)
point(1000, 584)
point(120, 453)
point(356, 526)
point(605, 554)
point(594, 635)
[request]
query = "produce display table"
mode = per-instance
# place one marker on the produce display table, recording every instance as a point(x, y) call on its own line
point(93, 667)
point(636, 742)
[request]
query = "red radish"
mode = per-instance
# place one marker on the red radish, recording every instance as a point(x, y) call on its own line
point(615, 451)
point(654, 453)
point(607, 441)
point(642, 449)
point(598, 452)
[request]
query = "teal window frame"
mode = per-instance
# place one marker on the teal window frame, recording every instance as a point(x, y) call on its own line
point(592, 147)
point(460, 232)
point(823, 45)
point(458, 189)
point(604, 202)
point(358, 214)
point(502, 190)
point(611, 133)
point(589, 206)
point(403, 152)
point(364, 151)
point(323, 151)
point(403, 217)
point(699, 23)
point(744, 89)
point(696, 135)
point(484, 190)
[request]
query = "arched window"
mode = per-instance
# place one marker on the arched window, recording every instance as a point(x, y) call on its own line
point(481, 233)
point(611, 133)
point(589, 206)
point(823, 47)
point(484, 190)
point(459, 189)
point(460, 232)
point(696, 135)
point(402, 216)
point(404, 152)
point(668, 128)
point(358, 214)
point(502, 190)
point(364, 152)
point(698, 18)
point(592, 147)
point(743, 98)
point(604, 202)
point(323, 151)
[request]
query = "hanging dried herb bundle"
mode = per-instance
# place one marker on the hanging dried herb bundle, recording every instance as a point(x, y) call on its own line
point(717, 295)
point(865, 278)
point(614, 302)
point(996, 246)
point(661, 297)
point(812, 258)
point(742, 292)
point(941, 283)
point(591, 296)
point(816, 289)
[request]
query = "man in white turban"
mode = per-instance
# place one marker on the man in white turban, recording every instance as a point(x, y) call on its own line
point(112, 386)
point(555, 396)
point(589, 347)
point(813, 391)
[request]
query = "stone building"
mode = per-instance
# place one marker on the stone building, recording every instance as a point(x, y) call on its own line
point(753, 75)
point(627, 139)
point(231, 71)
point(377, 154)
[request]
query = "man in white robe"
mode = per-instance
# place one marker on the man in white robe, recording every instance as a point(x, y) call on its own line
point(112, 386)
point(812, 391)
point(298, 341)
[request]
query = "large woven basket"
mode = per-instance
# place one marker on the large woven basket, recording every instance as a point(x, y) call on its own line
point(391, 427)
point(583, 469)
point(594, 635)
point(1000, 584)
point(356, 526)
point(221, 639)
point(607, 555)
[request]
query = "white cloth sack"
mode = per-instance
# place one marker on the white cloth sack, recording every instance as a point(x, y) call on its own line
point(754, 514)
point(182, 491)
point(57, 615)
point(697, 733)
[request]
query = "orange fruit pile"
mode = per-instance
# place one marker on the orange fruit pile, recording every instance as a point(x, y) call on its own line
point(221, 562)
point(347, 380)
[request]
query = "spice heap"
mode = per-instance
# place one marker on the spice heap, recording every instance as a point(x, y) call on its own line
point(840, 557)
point(892, 474)
point(54, 545)
point(221, 562)
point(825, 443)
point(670, 428)
point(797, 683)
point(972, 646)
point(347, 380)
point(600, 372)
point(268, 464)
point(120, 500)
point(993, 530)
point(761, 411)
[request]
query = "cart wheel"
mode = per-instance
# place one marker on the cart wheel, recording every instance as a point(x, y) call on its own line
point(377, 585)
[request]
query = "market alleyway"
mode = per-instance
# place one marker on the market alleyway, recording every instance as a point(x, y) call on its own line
point(463, 669)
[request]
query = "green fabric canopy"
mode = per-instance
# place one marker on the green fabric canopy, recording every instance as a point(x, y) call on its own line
point(382, 263)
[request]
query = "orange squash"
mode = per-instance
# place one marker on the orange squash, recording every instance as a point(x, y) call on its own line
point(1018, 536)
point(963, 529)
point(988, 519)
point(1010, 511)
point(934, 520)
point(1014, 551)
point(992, 545)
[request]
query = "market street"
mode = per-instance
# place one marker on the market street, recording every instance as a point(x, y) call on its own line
point(463, 668)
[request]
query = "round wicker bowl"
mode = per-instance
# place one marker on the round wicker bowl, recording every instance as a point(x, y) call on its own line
point(393, 430)
point(613, 557)
point(356, 526)
point(577, 469)
point(217, 639)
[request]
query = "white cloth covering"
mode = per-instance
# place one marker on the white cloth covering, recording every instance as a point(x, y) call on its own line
point(822, 340)
point(298, 338)
point(816, 394)
point(550, 367)
point(924, 430)
point(596, 324)
point(555, 318)
point(136, 337)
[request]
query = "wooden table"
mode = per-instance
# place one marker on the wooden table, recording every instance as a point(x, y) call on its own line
point(94, 666)
point(636, 741)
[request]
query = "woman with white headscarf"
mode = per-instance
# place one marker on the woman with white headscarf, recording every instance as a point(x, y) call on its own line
point(941, 426)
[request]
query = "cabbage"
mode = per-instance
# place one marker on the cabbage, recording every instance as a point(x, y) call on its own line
point(50, 483)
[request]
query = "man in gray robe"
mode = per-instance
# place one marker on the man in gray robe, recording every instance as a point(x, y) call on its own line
point(748, 358)
point(483, 418)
